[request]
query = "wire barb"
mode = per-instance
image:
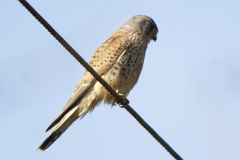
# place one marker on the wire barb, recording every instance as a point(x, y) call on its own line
point(119, 98)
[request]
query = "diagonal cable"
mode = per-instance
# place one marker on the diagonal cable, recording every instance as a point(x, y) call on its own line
point(98, 78)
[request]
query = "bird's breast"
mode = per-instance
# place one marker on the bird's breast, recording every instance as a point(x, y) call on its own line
point(124, 74)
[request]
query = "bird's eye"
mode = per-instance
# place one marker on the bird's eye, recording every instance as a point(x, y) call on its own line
point(152, 28)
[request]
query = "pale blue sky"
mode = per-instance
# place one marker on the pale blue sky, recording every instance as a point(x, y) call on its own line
point(189, 89)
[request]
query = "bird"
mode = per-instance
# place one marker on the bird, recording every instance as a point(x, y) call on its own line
point(119, 61)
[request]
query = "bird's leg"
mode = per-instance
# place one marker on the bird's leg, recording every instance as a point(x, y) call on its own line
point(125, 103)
point(125, 100)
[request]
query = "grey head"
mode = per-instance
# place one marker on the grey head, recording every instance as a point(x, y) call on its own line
point(141, 24)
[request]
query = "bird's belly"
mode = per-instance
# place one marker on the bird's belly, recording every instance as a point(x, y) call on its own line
point(124, 74)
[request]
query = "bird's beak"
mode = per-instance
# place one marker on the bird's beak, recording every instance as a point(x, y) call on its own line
point(155, 38)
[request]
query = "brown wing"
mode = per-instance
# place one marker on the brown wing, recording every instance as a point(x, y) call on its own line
point(106, 55)
point(101, 62)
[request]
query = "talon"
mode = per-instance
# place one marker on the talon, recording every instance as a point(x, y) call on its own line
point(113, 101)
point(126, 101)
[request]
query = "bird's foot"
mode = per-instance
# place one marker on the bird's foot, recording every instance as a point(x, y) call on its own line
point(122, 105)
point(125, 101)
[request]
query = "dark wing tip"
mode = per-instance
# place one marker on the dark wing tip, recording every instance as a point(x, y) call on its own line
point(52, 125)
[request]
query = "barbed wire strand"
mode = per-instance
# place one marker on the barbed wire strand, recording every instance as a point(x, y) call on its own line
point(119, 98)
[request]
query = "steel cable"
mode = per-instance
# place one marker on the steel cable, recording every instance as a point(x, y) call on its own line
point(119, 98)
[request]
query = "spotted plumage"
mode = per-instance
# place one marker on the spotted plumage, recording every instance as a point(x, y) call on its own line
point(119, 61)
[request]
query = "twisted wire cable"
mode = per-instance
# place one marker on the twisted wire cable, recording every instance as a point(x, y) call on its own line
point(118, 98)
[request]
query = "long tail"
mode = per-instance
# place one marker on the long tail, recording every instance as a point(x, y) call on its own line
point(66, 121)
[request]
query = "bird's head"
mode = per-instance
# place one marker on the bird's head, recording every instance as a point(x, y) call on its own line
point(141, 24)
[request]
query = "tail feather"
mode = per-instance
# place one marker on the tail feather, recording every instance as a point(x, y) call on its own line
point(66, 121)
point(78, 111)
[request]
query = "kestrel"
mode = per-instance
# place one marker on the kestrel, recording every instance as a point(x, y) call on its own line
point(119, 61)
